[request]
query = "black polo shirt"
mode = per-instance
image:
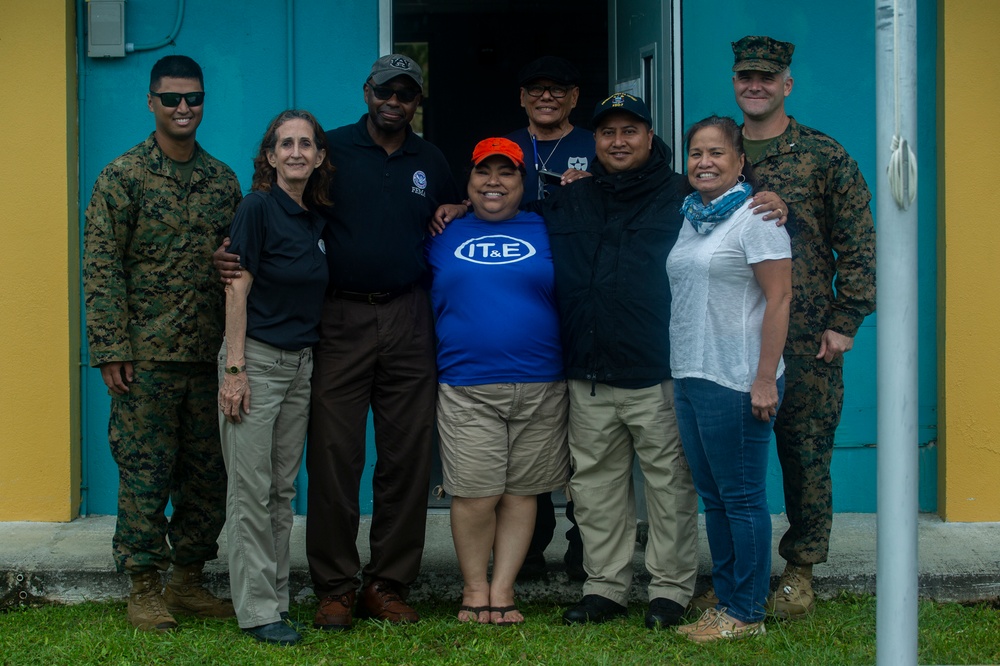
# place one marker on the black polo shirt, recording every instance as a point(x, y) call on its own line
point(381, 207)
point(282, 246)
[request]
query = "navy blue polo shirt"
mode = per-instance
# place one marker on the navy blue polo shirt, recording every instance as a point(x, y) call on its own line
point(282, 246)
point(381, 207)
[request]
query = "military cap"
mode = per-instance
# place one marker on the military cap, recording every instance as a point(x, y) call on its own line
point(621, 101)
point(762, 54)
point(390, 66)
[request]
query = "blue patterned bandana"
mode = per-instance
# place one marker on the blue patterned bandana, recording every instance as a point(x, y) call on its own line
point(704, 217)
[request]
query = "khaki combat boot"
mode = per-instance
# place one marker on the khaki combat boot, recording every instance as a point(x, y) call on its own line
point(146, 610)
point(794, 595)
point(186, 594)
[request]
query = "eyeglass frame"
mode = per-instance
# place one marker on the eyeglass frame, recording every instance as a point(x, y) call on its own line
point(540, 90)
point(180, 96)
point(400, 93)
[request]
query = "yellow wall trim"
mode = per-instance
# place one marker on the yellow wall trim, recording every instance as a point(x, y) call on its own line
point(968, 238)
point(39, 270)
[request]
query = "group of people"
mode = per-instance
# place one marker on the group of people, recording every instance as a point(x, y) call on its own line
point(585, 305)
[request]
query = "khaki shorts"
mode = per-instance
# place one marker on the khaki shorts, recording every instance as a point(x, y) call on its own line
point(503, 438)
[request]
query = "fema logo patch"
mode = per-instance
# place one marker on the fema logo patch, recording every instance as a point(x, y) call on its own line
point(400, 63)
point(495, 250)
point(419, 183)
point(580, 163)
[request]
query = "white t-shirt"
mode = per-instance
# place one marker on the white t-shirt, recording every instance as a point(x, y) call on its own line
point(718, 307)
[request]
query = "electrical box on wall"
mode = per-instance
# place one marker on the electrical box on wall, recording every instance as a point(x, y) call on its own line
point(106, 28)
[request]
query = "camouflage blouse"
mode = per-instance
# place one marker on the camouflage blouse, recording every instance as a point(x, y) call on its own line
point(833, 236)
point(150, 288)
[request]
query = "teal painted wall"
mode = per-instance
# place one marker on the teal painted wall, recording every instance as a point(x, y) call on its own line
point(834, 91)
point(243, 50)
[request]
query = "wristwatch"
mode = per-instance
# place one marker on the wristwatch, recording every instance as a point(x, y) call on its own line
point(235, 369)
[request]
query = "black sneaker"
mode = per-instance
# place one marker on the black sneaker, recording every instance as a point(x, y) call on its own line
point(294, 624)
point(595, 609)
point(276, 633)
point(663, 613)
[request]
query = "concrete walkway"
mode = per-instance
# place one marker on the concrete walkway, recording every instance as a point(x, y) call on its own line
point(71, 562)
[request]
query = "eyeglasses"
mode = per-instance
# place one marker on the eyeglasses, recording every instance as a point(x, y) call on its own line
point(385, 93)
point(556, 91)
point(170, 100)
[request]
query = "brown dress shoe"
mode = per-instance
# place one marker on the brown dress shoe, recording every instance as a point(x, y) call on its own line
point(334, 612)
point(380, 601)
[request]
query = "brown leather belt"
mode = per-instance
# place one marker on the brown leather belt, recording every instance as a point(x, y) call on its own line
point(372, 298)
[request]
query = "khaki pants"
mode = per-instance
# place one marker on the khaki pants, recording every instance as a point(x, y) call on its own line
point(263, 453)
point(606, 431)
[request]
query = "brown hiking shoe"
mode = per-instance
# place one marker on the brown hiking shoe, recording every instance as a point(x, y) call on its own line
point(146, 610)
point(794, 595)
point(186, 594)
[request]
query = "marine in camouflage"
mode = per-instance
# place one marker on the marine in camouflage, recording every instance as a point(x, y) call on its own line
point(833, 287)
point(150, 288)
point(152, 298)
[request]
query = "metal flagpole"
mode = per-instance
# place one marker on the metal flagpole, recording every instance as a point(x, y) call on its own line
point(896, 281)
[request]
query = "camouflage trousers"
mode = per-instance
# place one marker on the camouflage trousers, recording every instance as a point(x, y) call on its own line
point(164, 436)
point(804, 431)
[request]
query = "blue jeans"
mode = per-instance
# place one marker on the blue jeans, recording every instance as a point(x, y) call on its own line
point(727, 449)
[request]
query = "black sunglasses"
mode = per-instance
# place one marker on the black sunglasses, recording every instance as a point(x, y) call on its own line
point(385, 93)
point(170, 100)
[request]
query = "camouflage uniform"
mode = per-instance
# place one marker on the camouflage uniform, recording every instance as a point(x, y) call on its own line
point(828, 213)
point(152, 298)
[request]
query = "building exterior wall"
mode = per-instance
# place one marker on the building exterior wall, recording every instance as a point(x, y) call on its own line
point(255, 73)
point(257, 61)
point(968, 293)
point(39, 267)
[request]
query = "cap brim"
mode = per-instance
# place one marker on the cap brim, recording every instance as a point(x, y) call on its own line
point(550, 77)
point(757, 65)
point(617, 109)
point(483, 158)
point(385, 77)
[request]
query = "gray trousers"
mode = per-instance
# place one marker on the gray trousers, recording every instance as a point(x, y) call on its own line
point(262, 454)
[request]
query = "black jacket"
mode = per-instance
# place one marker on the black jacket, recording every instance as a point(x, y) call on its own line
point(610, 238)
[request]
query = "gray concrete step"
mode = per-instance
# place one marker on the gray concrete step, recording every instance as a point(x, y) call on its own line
point(71, 562)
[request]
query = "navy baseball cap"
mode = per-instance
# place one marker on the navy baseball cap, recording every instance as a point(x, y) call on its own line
point(621, 101)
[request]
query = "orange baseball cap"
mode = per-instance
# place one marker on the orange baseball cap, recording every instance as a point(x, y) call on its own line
point(498, 146)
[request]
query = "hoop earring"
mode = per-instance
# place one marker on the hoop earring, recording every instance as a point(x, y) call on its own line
point(741, 178)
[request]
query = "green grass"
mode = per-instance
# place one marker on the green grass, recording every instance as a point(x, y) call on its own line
point(841, 631)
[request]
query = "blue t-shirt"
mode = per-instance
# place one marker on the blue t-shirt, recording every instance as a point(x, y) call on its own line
point(573, 151)
point(493, 293)
point(281, 245)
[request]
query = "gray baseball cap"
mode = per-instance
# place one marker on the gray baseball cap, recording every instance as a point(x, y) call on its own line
point(390, 66)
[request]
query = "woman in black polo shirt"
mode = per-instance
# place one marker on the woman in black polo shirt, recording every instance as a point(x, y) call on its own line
point(265, 364)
